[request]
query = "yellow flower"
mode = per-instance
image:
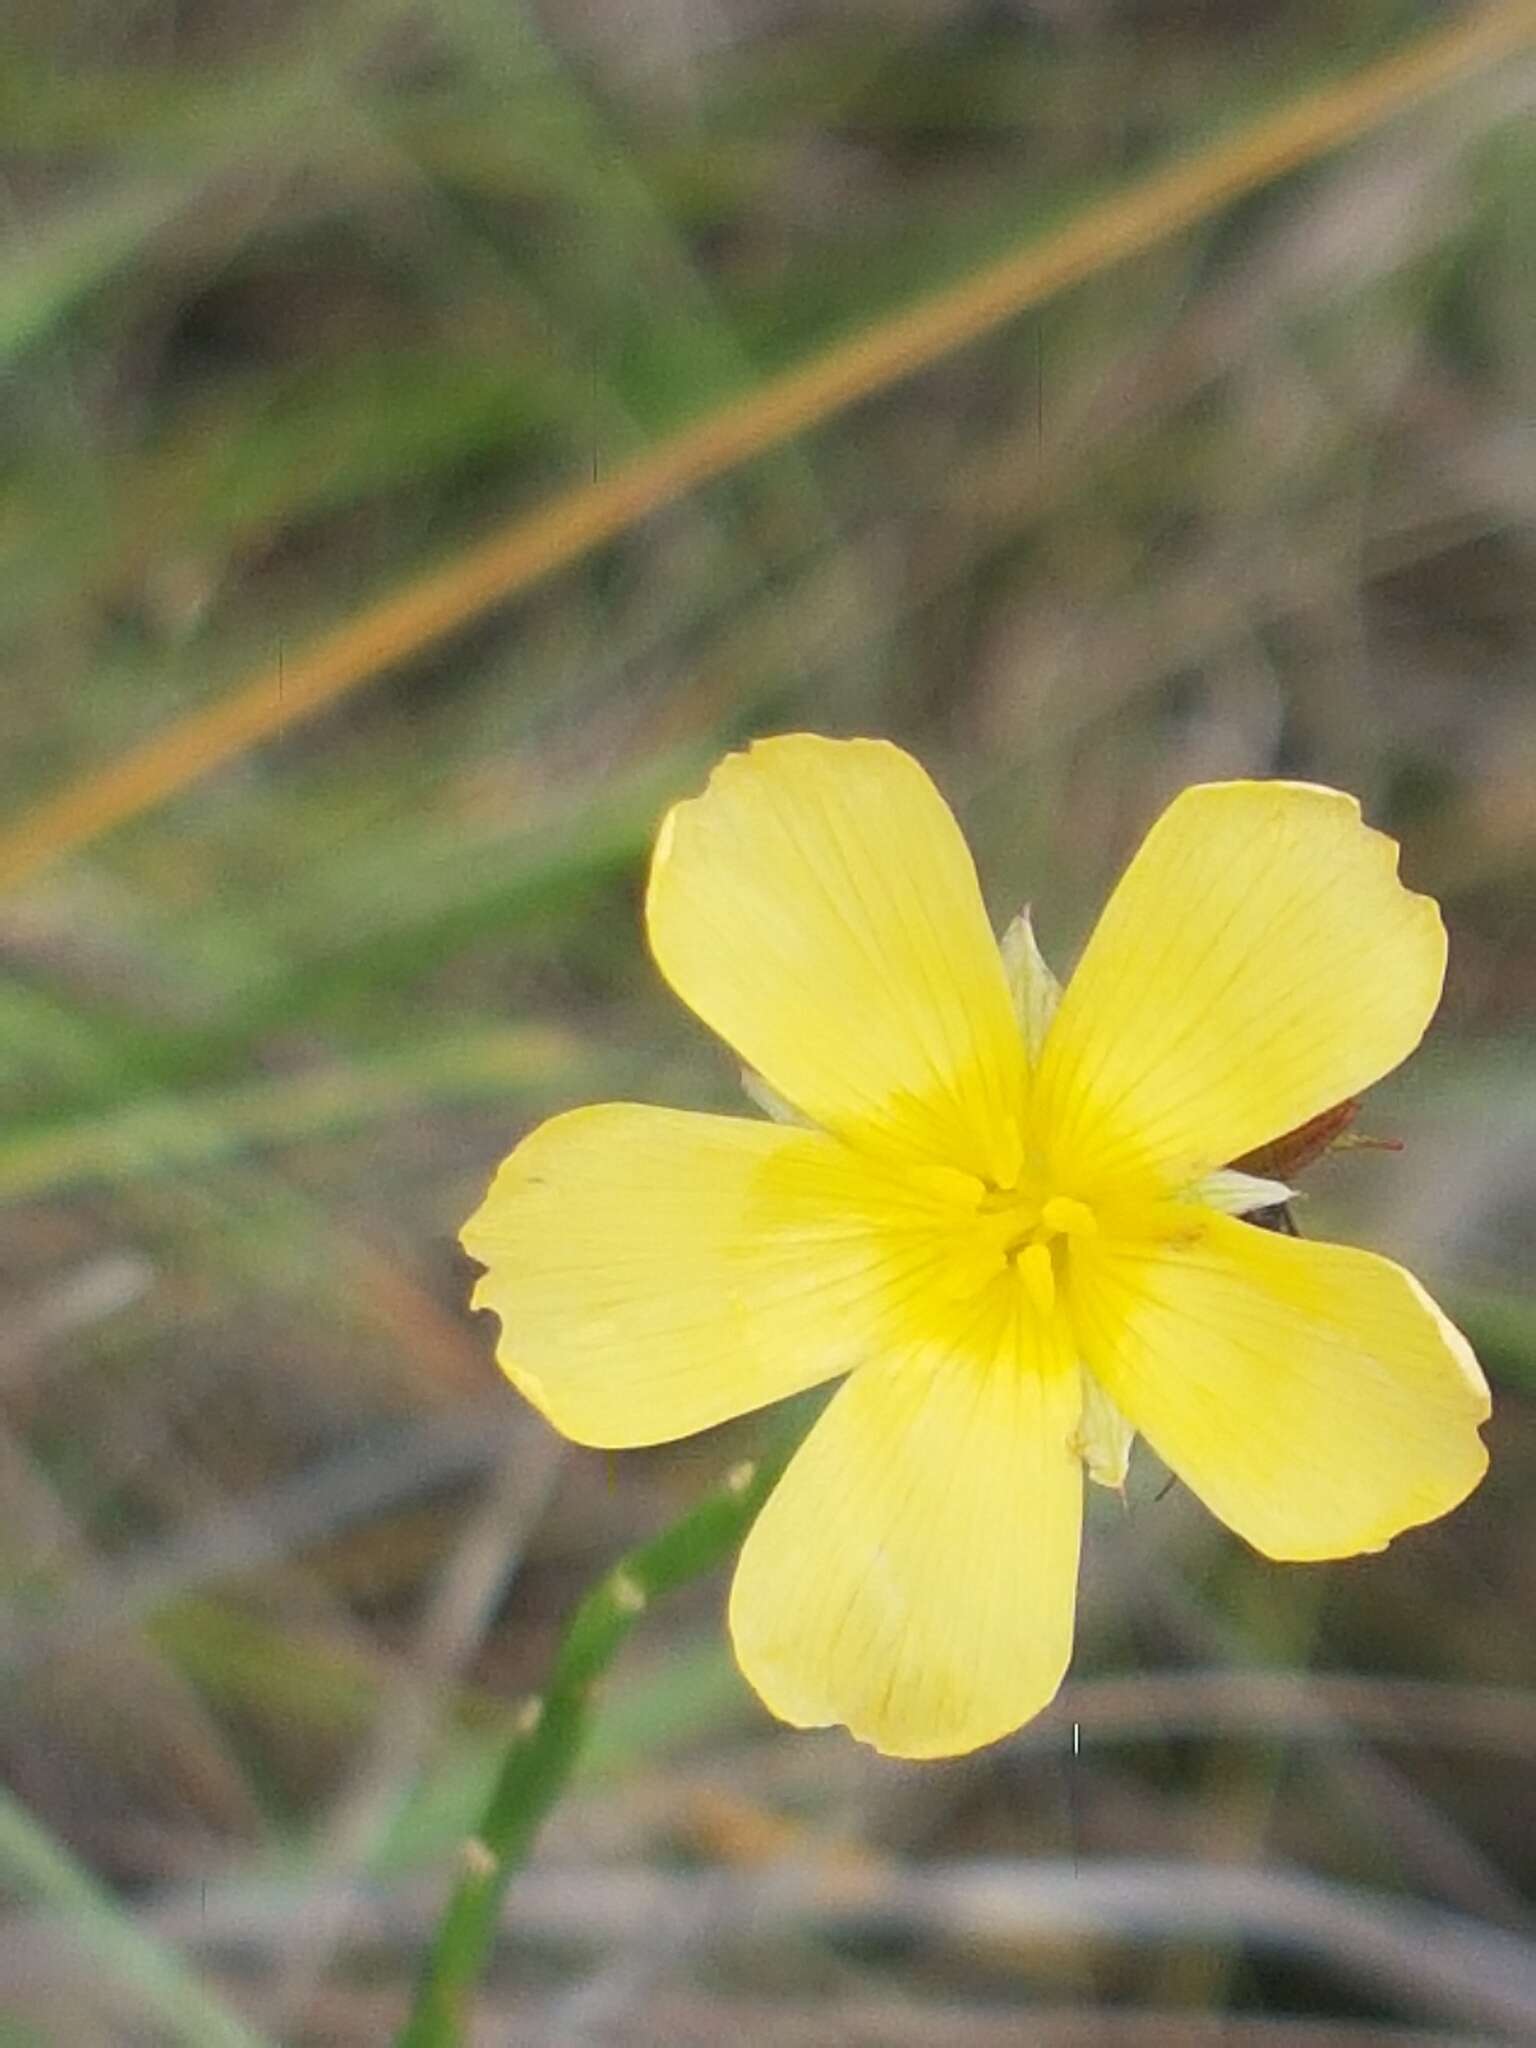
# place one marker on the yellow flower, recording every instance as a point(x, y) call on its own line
point(1008, 1221)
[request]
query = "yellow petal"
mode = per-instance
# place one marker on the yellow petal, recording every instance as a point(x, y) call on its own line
point(657, 1271)
point(1313, 1396)
point(818, 908)
point(1258, 962)
point(913, 1575)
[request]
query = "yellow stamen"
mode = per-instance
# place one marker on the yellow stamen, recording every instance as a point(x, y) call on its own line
point(1071, 1218)
point(950, 1184)
point(1039, 1277)
point(1007, 1152)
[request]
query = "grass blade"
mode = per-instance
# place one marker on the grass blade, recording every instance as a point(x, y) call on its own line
point(534, 545)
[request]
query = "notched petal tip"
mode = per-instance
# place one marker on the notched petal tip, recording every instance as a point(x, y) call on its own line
point(1312, 1395)
point(1375, 843)
point(781, 1689)
point(818, 908)
point(659, 1271)
point(912, 1577)
point(1258, 961)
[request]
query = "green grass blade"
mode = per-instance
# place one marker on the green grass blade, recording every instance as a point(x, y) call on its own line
point(35, 1867)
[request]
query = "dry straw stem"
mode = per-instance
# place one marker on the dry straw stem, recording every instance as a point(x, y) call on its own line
point(532, 546)
point(1414, 1956)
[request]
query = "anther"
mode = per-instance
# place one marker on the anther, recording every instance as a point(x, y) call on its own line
point(1071, 1218)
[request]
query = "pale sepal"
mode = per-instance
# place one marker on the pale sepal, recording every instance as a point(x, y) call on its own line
point(1031, 984)
point(768, 1099)
point(1103, 1437)
point(1236, 1194)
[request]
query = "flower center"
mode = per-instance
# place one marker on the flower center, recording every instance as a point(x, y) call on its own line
point(1029, 1233)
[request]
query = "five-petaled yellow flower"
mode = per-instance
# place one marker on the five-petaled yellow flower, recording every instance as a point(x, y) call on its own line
point(1002, 1210)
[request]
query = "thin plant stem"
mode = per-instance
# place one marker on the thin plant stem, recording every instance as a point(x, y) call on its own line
point(549, 1735)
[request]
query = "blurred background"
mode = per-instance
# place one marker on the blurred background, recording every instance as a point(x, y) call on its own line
point(302, 301)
